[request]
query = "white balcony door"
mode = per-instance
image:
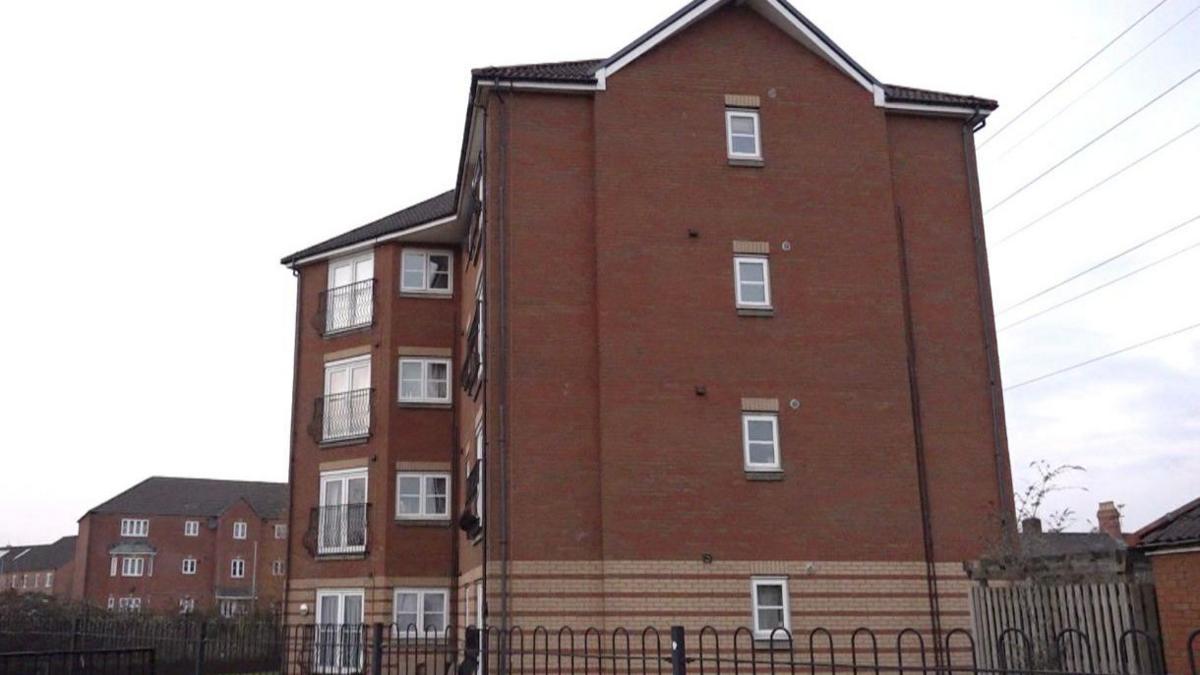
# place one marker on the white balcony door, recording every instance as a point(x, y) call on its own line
point(348, 303)
point(343, 512)
point(339, 634)
point(347, 411)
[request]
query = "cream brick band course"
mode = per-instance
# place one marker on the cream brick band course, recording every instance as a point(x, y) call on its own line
point(752, 247)
point(339, 464)
point(423, 351)
point(760, 404)
point(742, 101)
point(347, 353)
point(422, 466)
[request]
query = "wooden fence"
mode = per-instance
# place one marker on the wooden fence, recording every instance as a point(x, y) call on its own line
point(1092, 628)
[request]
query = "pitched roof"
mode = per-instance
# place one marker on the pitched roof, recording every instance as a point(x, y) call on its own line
point(39, 557)
point(433, 208)
point(162, 496)
point(1179, 527)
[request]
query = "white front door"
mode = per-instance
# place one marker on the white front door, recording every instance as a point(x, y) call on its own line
point(339, 631)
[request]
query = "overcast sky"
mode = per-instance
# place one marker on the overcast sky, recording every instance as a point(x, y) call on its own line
point(158, 158)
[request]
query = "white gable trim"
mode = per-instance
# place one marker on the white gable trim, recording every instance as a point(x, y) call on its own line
point(777, 14)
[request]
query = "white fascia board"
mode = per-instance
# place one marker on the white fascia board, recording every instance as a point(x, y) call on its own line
point(371, 243)
point(534, 85)
point(667, 31)
point(926, 109)
point(1189, 549)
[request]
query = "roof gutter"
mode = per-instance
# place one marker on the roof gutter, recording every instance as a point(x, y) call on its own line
point(369, 243)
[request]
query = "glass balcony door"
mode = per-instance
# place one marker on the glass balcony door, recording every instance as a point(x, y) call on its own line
point(348, 302)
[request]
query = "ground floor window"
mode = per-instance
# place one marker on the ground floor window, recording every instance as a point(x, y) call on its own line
point(418, 611)
point(769, 599)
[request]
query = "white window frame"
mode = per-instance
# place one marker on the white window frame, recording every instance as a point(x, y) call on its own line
point(133, 566)
point(280, 531)
point(346, 648)
point(426, 272)
point(759, 632)
point(277, 567)
point(747, 418)
point(349, 366)
point(354, 318)
point(239, 529)
point(421, 593)
point(731, 113)
point(737, 281)
point(112, 602)
point(237, 568)
point(113, 563)
point(343, 476)
point(425, 477)
point(425, 362)
point(187, 568)
point(129, 604)
point(187, 605)
point(191, 528)
point(49, 579)
point(135, 527)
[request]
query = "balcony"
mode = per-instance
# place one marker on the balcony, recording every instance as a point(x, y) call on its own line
point(342, 417)
point(472, 367)
point(337, 530)
point(346, 308)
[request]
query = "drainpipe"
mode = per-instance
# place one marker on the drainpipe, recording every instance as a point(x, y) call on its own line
point(287, 569)
point(1004, 493)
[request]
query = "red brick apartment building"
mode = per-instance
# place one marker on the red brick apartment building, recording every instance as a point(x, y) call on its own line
point(46, 568)
point(185, 545)
point(702, 334)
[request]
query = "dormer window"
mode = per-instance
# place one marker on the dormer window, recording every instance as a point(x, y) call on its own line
point(743, 137)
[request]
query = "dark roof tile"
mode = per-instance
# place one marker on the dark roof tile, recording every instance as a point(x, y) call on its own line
point(40, 557)
point(897, 94)
point(435, 207)
point(161, 496)
point(1181, 526)
point(560, 71)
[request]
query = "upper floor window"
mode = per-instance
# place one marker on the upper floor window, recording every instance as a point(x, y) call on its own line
point(281, 531)
point(133, 566)
point(752, 281)
point(425, 271)
point(742, 134)
point(189, 565)
point(420, 610)
point(237, 568)
point(422, 495)
point(239, 529)
point(277, 568)
point(342, 515)
point(424, 380)
point(346, 408)
point(191, 528)
point(135, 527)
point(348, 301)
point(760, 441)
point(769, 598)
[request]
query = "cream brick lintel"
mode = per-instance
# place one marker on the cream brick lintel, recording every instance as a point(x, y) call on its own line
point(760, 404)
point(756, 247)
point(423, 351)
point(422, 466)
point(339, 464)
point(742, 101)
point(347, 353)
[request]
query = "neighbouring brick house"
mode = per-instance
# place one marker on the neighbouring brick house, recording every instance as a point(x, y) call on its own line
point(185, 545)
point(46, 568)
point(1172, 543)
point(702, 334)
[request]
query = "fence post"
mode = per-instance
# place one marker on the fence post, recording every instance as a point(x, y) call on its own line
point(376, 648)
point(678, 651)
point(200, 647)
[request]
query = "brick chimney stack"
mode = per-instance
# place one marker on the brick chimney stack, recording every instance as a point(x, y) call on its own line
point(1109, 519)
point(1031, 526)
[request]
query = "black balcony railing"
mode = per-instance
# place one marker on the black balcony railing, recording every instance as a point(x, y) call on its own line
point(337, 530)
point(346, 308)
point(472, 367)
point(341, 417)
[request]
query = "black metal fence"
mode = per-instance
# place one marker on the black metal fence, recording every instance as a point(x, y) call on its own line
point(79, 662)
point(378, 649)
point(179, 645)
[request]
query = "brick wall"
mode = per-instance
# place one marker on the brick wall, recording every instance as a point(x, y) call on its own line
point(1177, 587)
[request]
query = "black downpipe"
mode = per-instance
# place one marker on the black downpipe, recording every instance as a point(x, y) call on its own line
point(914, 390)
point(287, 570)
point(501, 276)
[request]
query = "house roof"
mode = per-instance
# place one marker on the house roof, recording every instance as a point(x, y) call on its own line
point(439, 206)
point(163, 496)
point(593, 72)
point(1053, 544)
point(39, 557)
point(1177, 528)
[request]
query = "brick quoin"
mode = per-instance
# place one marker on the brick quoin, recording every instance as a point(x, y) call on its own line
point(616, 494)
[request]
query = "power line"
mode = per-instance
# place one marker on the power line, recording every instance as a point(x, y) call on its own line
point(1099, 82)
point(1102, 357)
point(1080, 195)
point(1085, 146)
point(1106, 284)
point(1102, 263)
point(1071, 74)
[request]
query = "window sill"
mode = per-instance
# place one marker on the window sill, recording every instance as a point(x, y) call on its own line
point(766, 476)
point(746, 161)
point(427, 405)
point(756, 311)
point(343, 332)
point(423, 522)
point(344, 442)
point(427, 295)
